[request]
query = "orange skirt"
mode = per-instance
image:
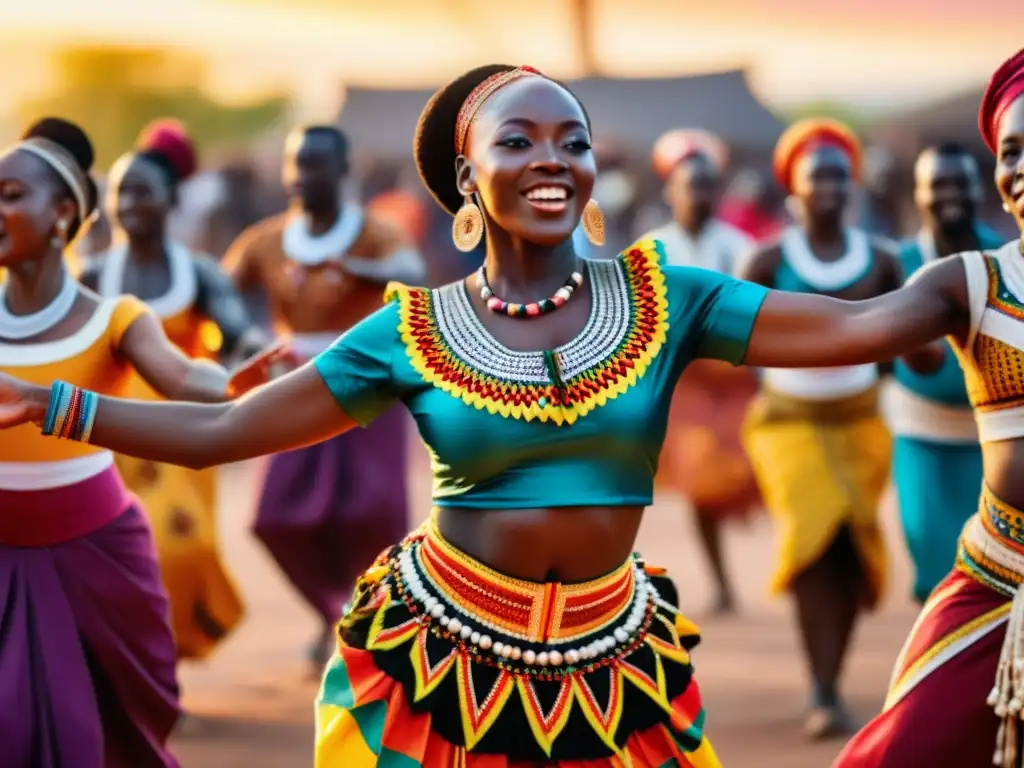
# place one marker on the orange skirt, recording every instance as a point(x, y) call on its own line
point(703, 456)
point(443, 662)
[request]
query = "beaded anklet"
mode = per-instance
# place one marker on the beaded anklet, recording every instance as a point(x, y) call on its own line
point(71, 412)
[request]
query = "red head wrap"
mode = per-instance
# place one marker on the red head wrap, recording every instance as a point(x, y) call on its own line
point(678, 145)
point(169, 138)
point(806, 135)
point(1005, 87)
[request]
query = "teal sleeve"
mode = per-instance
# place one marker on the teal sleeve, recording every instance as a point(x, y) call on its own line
point(357, 368)
point(712, 314)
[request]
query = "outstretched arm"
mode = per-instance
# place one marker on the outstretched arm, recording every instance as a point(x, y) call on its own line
point(349, 383)
point(292, 412)
point(794, 330)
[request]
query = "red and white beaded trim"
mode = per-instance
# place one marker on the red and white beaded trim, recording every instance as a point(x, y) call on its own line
point(480, 633)
point(477, 97)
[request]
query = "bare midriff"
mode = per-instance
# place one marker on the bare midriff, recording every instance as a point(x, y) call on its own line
point(564, 544)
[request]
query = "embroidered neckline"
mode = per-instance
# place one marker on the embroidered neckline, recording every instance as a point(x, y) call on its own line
point(1006, 283)
point(450, 347)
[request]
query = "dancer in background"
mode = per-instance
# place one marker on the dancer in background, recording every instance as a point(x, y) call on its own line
point(327, 510)
point(818, 445)
point(702, 457)
point(958, 678)
point(87, 662)
point(936, 457)
point(203, 316)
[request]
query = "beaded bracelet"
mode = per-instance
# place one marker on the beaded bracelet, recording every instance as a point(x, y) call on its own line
point(71, 412)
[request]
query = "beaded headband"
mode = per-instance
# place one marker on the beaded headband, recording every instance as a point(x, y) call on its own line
point(58, 158)
point(480, 94)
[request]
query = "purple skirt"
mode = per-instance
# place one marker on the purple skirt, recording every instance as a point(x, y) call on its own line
point(328, 510)
point(87, 660)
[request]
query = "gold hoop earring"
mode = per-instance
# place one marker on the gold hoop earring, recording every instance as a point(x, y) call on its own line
point(468, 226)
point(593, 222)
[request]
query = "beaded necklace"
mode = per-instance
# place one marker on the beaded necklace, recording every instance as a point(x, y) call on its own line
point(534, 309)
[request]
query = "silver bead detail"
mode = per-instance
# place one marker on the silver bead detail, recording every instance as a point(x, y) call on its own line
point(542, 658)
point(485, 642)
point(555, 658)
point(529, 658)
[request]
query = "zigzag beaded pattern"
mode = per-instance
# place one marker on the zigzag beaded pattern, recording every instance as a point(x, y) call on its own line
point(449, 346)
point(996, 379)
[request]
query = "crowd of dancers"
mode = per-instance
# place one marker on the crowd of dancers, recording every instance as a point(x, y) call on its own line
point(517, 626)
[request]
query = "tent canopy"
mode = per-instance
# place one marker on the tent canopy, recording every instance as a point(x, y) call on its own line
point(631, 112)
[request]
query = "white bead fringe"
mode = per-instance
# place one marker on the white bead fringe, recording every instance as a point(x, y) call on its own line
point(1007, 697)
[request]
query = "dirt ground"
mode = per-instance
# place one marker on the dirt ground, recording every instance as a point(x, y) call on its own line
point(253, 702)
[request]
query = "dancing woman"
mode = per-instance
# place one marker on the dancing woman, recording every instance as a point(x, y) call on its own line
point(936, 457)
point(516, 625)
point(970, 633)
point(86, 654)
point(702, 456)
point(202, 315)
point(326, 510)
point(816, 438)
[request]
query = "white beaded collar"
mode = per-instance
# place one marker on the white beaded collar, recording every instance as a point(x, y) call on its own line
point(827, 275)
point(26, 326)
point(312, 250)
point(184, 285)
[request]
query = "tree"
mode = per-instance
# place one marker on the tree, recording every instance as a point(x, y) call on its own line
point(114, 92)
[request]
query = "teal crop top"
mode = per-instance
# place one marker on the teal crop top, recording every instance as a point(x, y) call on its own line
point(581, 425)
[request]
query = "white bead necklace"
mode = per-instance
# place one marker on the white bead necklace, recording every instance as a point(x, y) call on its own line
point(26, 326)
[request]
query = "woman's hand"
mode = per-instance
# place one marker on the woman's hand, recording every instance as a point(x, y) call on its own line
point(21, 402)
point(269, 364)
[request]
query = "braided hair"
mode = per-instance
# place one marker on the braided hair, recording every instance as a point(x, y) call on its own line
point(434, 142)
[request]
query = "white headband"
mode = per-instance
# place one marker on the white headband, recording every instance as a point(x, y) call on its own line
point(54, 156)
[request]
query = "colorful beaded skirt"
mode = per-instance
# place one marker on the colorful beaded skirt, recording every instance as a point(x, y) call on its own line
point(444, 662)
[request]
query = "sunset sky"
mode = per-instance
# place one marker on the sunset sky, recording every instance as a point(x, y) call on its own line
point(874, 54)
